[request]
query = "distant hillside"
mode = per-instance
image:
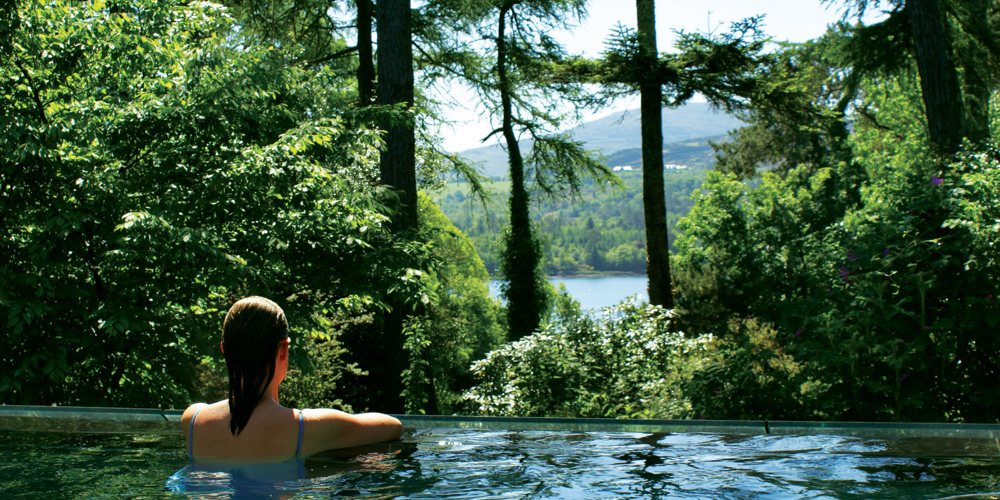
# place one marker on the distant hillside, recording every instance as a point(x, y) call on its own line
point(692, 125)
point(693, 153)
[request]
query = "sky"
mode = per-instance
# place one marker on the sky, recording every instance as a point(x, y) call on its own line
point(784, 20)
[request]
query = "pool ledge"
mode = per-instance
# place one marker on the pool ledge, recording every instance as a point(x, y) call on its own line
point(154, 421)
point(744, 427)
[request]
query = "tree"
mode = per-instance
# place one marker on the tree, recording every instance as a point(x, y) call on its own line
point(805, 126)
point(397, 168)
point(155, 169)
point(306, 29)
point(941, 36)
point(723, 69)
point(309, 27)
point(654, 205)
point(978, 55)
point(557, 162)
point(519, 94)
point(938, 75)
point(522, 254)
point(395, 90)
point(366, 63)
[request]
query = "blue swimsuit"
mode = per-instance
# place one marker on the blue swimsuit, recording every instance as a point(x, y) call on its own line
point(298, 447)
point(239, 480)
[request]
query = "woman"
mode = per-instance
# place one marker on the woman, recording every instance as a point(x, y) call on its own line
point(251, 424)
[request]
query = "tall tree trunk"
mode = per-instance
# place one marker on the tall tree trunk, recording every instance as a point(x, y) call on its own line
point(653, 199)
point(976, 69)
point(395, 87)
point(521, 256)
point(366, 64)
point(938, 77)
point(398, 171)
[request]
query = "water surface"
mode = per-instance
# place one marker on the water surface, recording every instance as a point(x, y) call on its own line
point(464, 463)
point(595, 293)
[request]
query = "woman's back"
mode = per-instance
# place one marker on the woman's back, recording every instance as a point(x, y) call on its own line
point(251, 425)
point(273, 433)
point(276, 433)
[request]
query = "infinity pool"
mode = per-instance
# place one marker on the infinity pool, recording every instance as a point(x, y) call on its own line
point(532, 458)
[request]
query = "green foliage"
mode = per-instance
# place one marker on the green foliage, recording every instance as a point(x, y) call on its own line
point(953, 46)
point(799, 117)
point(745, 249)
point(305, 26)
point(516, 92)
point(561, 166)
point(599, 230)
point(152, 173)
point(627, 362)
point(752, 375)
point(876, 310)
point(459, 323)
point(319, 366)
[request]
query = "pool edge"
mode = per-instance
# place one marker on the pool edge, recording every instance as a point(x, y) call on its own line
point(167, 421)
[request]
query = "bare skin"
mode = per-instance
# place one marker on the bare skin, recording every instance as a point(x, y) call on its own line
point(272, 432)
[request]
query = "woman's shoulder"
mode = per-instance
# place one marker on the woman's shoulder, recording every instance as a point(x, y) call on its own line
point(190, 412)
point(320, 414)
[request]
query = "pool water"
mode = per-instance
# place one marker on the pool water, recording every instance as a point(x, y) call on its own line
point(475, 463)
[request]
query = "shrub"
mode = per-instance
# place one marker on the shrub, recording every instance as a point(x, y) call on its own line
point(625, 362)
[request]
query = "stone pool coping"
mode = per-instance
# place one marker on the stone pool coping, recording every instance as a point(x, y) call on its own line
point(167, 421)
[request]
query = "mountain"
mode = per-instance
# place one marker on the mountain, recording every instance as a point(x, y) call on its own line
point(685, 130)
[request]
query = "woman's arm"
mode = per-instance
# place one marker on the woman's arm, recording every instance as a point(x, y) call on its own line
point(328, 429)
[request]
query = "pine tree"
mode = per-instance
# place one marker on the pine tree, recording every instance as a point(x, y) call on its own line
point(654, 205)
point(942, 37)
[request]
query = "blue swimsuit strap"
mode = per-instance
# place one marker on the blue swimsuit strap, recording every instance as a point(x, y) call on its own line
point(191, 435)
point(298, 447)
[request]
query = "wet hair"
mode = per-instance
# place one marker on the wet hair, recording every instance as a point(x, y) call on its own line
point(251, 333)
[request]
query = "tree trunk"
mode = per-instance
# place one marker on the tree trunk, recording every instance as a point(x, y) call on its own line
point(653, 199)
point(521, 258)
point(395, 87)
point(938, 77)
point(398, 171)
point(977, 70)
point(366, 64)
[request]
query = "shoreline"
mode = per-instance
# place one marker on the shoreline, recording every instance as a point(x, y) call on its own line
point(608, 274)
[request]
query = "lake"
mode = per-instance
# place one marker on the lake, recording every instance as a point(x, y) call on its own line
point(595, 293)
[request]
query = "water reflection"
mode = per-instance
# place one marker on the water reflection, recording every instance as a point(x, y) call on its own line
point(360, 472)
point(437, 463)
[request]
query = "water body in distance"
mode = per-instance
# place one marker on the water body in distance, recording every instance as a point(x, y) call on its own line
point(595, 293)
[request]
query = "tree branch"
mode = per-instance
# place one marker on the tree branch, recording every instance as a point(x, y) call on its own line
point(34, 91)
point(333, 56)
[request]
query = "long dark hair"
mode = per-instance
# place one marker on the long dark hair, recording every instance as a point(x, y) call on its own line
point(253, 328)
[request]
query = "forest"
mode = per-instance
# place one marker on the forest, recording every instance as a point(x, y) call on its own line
point(600, 230)
point(160, 159)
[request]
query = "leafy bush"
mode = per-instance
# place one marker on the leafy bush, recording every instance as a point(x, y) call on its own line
point(751, 374)
point(317, 368)
point(154, 171)
point(628, 362)
point(458, 323)
point(871, 303)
